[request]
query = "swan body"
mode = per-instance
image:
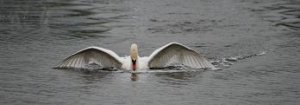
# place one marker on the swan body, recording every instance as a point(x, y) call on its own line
point(162, 57)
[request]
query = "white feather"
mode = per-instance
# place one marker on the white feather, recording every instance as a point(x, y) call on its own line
point(92, 55)
point(165, 54)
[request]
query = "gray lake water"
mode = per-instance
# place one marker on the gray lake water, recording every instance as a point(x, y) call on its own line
point(35, 35)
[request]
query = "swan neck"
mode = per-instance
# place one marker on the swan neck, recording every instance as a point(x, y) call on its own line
point(134, 56)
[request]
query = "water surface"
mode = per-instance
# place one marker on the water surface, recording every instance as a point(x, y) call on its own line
point(37, 34)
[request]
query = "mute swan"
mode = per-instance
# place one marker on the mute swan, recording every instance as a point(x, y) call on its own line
point(162, 57)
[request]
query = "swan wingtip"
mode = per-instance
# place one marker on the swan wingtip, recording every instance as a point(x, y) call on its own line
point(92, 47)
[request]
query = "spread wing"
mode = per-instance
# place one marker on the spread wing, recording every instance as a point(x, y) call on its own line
point(177, 53)
point(92, 55)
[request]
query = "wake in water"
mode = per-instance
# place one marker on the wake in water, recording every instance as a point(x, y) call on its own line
point(227, 62)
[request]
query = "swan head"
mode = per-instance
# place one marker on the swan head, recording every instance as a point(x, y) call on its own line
point(134, 56)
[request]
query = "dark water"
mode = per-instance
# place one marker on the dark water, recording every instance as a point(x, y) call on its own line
point(37, 34)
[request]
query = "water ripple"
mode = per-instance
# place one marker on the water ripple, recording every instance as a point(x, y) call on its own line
point(289, 13)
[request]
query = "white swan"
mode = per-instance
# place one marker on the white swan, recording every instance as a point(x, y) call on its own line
point(162, 57)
